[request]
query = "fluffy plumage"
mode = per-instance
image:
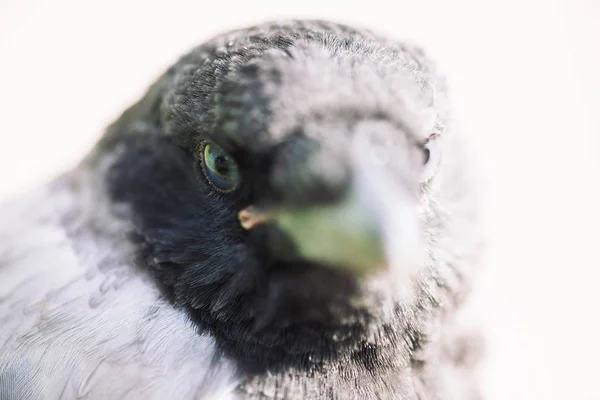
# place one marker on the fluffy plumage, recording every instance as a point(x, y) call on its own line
point(130, 277)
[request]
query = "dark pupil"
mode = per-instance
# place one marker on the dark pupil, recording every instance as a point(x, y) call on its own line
point(222, 165)
point(426, 155)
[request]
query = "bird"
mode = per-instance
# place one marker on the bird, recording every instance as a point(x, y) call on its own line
point(290, 211)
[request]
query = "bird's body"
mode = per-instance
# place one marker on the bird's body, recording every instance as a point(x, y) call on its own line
point(130, 276)
point(77, 320)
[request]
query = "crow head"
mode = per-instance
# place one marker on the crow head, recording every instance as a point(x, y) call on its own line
point(296, 189)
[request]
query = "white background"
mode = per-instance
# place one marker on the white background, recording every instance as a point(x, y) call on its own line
point(524, 76)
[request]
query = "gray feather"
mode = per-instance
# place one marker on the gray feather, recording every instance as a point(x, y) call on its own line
point(77, 321)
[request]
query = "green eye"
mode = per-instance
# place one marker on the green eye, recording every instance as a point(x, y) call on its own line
point(220, 169)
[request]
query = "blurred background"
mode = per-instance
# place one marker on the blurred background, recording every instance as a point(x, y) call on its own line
point(525, 79)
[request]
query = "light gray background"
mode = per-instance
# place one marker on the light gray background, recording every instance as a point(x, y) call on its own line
point(524, 76)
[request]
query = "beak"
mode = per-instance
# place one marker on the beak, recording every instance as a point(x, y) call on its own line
point(344, 235)
point(364, 233)
point(375, 226)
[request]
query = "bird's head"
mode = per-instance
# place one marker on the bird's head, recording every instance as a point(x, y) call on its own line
point(279, 181)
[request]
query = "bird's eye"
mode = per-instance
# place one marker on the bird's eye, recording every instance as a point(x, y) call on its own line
point(431, 158)
point(220, 169)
